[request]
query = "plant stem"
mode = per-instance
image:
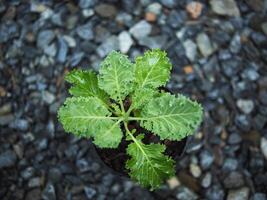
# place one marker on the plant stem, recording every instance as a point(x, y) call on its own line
point(135, 118)
point(130, 110)
point(129, 132)
point(137, 143)
point(122, 107)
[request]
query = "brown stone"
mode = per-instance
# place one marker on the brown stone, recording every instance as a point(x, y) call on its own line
point(188, 181)
point(151, 17)
point(194, 9)
point(188, 69)
point(2, 91)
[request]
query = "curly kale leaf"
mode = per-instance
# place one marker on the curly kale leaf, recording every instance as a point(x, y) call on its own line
point(148, 165)
point(141, 96)
point(116, 75)
point(153, 69)
point(88, 117)
point(170, 117)
point(85, 84)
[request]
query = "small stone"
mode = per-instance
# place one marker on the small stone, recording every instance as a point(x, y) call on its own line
point(38, 7)
point(176, 19)
point(2, 7)
point(246, 106)
point(49, 192)
point(44, 38)
point(225, 7)
point(76, 58)
point(18, 148)
point(259, 121)
point(141, 29)
point(234, 138)
point(230, 164)
point(125, 41)
point(151, 17)
point(8, 30)
point(2, 91)
point(195, 170)
point(243, 122)
point(169, 3)
point(42, 144)
point(82, 165)
point(45, 61)
point(173, 182)
point(224, 55)
point(89, 192)
point(193, 146)
point(71, 21)
point(190, 49)
point(27, 173)
point(215, 192)
point(153, 42)
point(206, 159)
point(264, 27)
point(5, 109)
point(20, 124)
point(259, 196)
point(111, 43)
point(70, 41)
point(62, 50)
point(35, 182)
point(239, 194)
point(51, 50)
point(7, 159)
point(259, 39)
point(264, 147)
point(48, 97)
point(54, 175)
point(204, 44)
point(115, 189)
point(206, 181)
point(57, 19)
point(88, 13)
point(250, 74)
point(106, 10)
point(85, 31)
point(194, 9)
point(235, 44)
point(6, 119)
point(154, 8)
point(233, 180)
point(188, 69)
point(185, 193)
point(87, 3)
point(95, 167)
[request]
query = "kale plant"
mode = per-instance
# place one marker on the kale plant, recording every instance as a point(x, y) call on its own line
point(97, 110)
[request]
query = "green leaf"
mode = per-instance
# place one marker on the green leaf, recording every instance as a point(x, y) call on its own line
point(85, 84)
point(153, 69)
point(108, 135)
point(141, 96)
point(170, 117)
point(116, 75)
point(88, 117)
point(148, 165)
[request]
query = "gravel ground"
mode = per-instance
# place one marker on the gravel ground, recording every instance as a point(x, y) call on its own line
point(219, 55)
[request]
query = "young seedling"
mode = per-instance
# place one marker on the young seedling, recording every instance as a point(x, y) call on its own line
point(97, 110)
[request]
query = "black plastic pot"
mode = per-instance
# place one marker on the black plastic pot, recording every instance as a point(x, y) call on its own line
point(115, 159)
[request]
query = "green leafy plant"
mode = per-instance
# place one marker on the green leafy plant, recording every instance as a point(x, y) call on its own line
point(97, 110)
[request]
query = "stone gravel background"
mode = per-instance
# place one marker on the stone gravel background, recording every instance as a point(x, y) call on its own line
point(219, 55)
